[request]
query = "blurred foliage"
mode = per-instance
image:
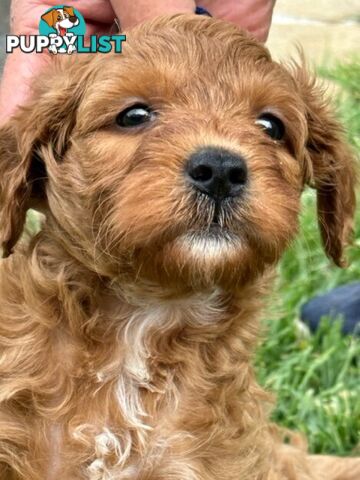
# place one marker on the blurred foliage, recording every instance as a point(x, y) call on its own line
point(316, 377)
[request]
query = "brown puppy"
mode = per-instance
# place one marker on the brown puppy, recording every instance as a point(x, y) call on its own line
point(170, 177)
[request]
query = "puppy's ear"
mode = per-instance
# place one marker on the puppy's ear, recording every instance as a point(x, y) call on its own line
point(50, 17)
point(70, 11)
point(36, 136)
point(15, 184)
point(332, 167)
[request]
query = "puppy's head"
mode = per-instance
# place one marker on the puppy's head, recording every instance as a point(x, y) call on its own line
point(181, 160)
point(63, 16)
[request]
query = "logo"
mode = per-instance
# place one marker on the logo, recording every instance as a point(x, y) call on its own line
point(62, 30)
point(64, 25)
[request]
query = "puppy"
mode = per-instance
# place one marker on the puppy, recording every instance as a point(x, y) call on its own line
point(170, 177)
point(61, 19)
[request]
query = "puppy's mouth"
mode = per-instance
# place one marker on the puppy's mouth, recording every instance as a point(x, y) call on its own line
point(214, 218)
point(216, 229)
point(213, 236)
point(213, 221)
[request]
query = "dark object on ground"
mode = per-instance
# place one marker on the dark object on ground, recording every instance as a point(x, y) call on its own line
point(341, 302)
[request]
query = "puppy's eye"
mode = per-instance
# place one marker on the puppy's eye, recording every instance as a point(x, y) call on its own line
point(135, 116)
point(272, 125)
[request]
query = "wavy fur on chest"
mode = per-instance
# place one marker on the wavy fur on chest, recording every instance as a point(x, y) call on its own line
point(119, 382)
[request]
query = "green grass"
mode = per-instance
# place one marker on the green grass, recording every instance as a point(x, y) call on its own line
point(316, 377)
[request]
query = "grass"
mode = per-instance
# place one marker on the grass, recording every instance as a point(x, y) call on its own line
point(316, 377)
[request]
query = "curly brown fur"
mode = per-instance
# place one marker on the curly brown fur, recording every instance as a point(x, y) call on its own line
point(126, 334)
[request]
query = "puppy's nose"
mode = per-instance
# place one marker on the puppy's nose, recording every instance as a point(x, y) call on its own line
point(73, 19)
point(217, 172)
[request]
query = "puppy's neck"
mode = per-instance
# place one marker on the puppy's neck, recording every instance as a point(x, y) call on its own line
point(141, 316)
point(154, 352)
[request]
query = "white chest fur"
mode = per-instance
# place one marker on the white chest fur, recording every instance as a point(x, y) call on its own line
point(150, 320)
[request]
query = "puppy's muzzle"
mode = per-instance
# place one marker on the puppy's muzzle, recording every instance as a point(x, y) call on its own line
point(217, 172)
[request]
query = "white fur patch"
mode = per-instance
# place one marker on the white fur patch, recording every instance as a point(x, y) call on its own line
point(107, 445)
point(98, 471)
point(209, 247)
point(150, 316)
point(128, 397)
point(202, 308)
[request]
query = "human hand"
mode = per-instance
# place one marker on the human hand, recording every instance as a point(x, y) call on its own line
point(99, 15)
point(251, 15)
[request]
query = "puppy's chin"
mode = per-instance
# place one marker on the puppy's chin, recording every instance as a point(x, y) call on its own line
point(212, 248)
point(204, 258)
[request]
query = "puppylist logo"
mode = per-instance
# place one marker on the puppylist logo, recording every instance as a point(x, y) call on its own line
point(62, 30)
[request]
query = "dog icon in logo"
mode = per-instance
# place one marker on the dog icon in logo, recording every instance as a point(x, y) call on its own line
point(61, 20)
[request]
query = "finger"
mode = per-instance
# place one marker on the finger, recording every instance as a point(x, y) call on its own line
point(20, 68)
point(26, 15)
point(18, 71)
point(130, 13)
point(251, 15)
